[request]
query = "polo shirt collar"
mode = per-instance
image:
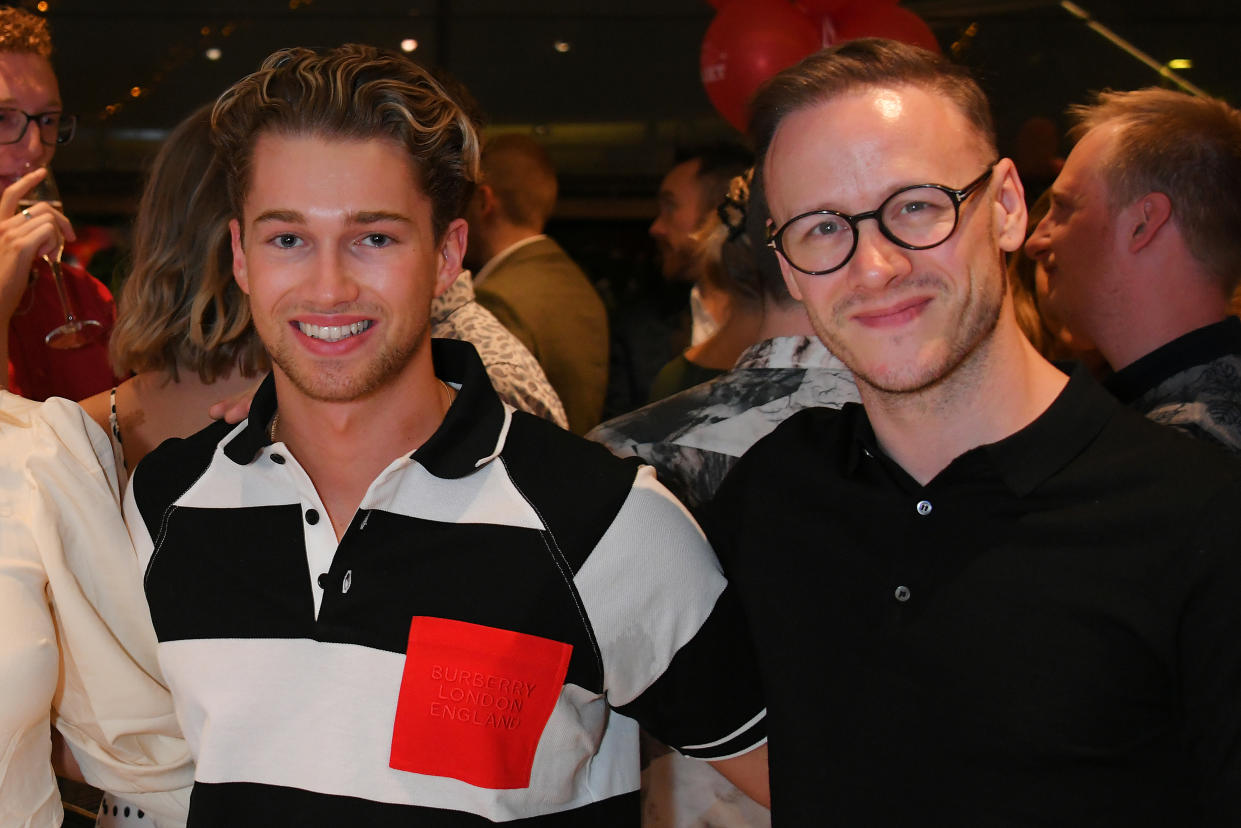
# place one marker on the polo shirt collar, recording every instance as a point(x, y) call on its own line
point(1197, 347)
point(471, 435)
point(1026, 458)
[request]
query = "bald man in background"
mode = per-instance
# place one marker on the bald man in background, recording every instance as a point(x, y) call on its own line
point(530, 283)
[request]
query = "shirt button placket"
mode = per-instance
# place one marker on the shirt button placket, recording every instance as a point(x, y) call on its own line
point(902, 593)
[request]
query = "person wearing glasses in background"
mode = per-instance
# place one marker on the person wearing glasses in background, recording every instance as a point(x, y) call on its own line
point(32, 124)
point(990, 594)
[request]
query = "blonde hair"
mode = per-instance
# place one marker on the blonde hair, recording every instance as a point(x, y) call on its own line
point(1187, 148)
point(24, 33)
point(179, 308)
point(352, 92)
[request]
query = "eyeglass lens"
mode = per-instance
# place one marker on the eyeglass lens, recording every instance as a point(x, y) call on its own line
point(918, 217)
point(54, 127)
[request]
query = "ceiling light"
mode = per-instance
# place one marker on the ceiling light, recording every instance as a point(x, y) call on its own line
point(1180, 63)
point(409, 44)
point(562, 46)
point(213, 53)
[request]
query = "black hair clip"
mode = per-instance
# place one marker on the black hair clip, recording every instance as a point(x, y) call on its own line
point(732, 209)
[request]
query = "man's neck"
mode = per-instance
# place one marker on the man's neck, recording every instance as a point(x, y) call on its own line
point(1168, 294)
point(497, 240)
point(1141, 337)
point(1002, 387)
point(344, 446)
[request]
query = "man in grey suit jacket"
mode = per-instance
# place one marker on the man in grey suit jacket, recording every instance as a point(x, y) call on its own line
point(530, 283)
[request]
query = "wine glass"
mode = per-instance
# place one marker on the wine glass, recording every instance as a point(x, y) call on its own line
point(75, 333)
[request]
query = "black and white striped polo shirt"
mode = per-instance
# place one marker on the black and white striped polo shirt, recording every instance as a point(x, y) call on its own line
point(506, 602)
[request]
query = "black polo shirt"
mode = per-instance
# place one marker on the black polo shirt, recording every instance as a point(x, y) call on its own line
point(1048, 633)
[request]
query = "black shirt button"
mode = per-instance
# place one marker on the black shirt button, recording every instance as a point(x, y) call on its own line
point(323, 581)
point(278, 459)
point(312, 517)
point(902, 594)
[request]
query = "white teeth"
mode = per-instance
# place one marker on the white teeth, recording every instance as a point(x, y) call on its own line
point(333, 333)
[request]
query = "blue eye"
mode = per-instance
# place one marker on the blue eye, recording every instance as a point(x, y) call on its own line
point(287, 240)
point(377, 240)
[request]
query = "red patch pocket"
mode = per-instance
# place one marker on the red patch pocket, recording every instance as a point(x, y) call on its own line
point(474, 701)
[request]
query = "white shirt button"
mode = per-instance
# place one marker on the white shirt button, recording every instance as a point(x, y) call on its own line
point(902, 594)
point(924, 507)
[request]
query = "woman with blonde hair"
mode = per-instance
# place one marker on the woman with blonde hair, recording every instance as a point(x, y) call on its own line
point(183, 325)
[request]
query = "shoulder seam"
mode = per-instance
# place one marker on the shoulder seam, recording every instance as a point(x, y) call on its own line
point(562, 565)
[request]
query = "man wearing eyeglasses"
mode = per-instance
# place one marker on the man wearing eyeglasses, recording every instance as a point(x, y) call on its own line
point(32, 123)
point(989, 595)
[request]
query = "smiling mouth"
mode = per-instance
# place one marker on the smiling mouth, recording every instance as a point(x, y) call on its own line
point(894, 314)
point(333, 333)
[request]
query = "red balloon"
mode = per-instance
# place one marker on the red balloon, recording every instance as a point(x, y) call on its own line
point(829, 8)
point(747, 43)
point(894, 22)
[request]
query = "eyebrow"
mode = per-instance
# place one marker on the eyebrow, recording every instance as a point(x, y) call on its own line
point(360, 217)
point(377, 216)
point(284, 216)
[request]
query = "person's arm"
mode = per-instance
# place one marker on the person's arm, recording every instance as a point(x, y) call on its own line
point(749, 773)
point(693, 619)
point(23, 236)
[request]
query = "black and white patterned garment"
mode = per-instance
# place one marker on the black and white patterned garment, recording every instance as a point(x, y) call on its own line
point(693, 438)
point(506, 603)
point(1193, 383)
point(514, 372)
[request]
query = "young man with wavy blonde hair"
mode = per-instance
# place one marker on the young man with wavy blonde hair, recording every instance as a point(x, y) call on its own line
point(387, 597)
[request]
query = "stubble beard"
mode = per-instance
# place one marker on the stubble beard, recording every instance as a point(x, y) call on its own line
point(975, 325)
point(332, 381)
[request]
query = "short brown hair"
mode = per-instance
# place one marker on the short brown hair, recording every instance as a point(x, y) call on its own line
point(352, 92)
point(24, 33)
point(1187, 148)
point(517, 169)
point(860, 64)
point(179, 308)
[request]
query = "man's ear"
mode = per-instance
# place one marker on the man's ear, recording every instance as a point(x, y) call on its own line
point(1143, 219)
point(1009, 207)
point(239, 257)
point(450, 255)
point(486, 199)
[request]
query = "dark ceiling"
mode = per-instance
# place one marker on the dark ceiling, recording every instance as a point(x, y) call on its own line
point(612, 108)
